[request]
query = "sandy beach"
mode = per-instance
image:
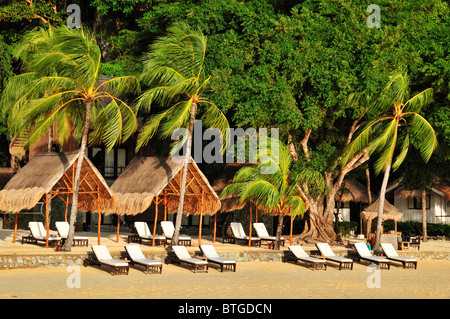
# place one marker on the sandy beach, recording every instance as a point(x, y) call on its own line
point(253, 280)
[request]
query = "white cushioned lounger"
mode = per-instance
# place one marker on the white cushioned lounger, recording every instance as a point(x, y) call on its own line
point(183, 256)
point(300, 254)
point(328, 253)
point(392, 254)
point(365, 254)
point(210, 253)
point(137, 257)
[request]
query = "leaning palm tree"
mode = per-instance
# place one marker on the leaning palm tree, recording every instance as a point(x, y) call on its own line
point(174, 73)
point(399, 125)
point(276, 192)
point(60, 84)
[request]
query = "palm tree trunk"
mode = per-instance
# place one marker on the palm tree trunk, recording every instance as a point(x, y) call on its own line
point(424, 216)
point(176, 233)
point(369, 193)
point(381, 207)
point(76, 183)
point(278, 234)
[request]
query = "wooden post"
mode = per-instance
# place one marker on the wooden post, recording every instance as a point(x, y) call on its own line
point(290, 233)
point(395, 223)
point(118, 226)
point(67, 201)
point(215, 227)
point(99, 215)
point(250, 227)
point(15, 228)
point(165, 205)
point(47, 224)
point(200, 222)
point(155, 221)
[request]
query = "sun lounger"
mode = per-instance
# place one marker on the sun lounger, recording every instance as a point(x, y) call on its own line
point(39, 233)
point(239, 235)
point(210, 253)
point(63, 231)
point(364, 253)
point(262, 233)
point(144, 233)
point(326, 251)
point(168, 230)
point(103, 257)
point(391, 254)
point(137, 257)
point(183, 256)
point(300, 254)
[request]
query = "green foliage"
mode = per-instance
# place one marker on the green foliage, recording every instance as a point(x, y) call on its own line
point(410, 228)
point(59, 79)
point(175, 76)
point(345, 227)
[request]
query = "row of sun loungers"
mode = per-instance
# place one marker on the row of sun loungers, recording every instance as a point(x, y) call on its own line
point(38, 233)
point(102, 257)
point(363, 253)
point(200, 264)
point(238, 235)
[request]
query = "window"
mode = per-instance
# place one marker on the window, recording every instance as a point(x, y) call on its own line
point(110, 164)
point(416, 203)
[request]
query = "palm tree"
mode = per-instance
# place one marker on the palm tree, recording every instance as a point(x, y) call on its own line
point(397, 129)
point(276, 193)
point(60, 84)
point(174, 72)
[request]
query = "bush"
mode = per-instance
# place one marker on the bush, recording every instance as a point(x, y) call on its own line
point(346, 227)
point(412, 228)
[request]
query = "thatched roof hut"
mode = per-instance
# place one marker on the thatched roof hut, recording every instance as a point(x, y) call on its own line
point(389, 211)
point(146, 178)
point(52, 173)
point(352, 191)
point(230, 202)
point(438, 184)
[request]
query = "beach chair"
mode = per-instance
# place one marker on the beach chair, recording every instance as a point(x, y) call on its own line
point(183, 256)
point(391, 254)
point(168, 230)
point(239, 235)
point(262, 233)
point(326, 252)
point(364, 253)
point(39, 233)
point(63, 232)
point(103, 257)
point(210, 253)
point(138, 258)
point(300, 254)
point(144, 233)
point(414, 242)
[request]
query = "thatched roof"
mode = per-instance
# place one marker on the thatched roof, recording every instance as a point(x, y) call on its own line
point(352, 191)
point(230, 202)
point(438, 185)
point(148, 177)
point(389, 211)
point(52, 173)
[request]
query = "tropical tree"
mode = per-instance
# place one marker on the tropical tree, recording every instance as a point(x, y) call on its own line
point(276, 191)
point(399, 126)
point(174, 72)
point(60, 84)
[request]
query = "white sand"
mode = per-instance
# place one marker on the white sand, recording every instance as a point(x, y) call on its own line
point(252, 280)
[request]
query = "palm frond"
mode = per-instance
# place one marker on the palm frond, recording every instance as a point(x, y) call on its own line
point(418, 101)
point(403, 151)
point(422, 131)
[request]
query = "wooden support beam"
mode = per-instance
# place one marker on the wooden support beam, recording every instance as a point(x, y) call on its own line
point(156, 220)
